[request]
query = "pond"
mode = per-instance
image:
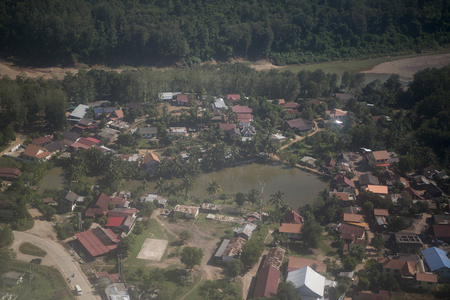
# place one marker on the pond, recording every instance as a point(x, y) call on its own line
point(53, 179)
point(299, 187)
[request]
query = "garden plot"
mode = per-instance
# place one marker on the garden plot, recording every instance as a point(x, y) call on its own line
point(153, 249)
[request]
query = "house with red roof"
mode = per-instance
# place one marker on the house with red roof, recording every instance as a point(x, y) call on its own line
point(42, 141)
point(9, 173)
point(291, 231)
point(150, 163)
point(36, 154)
point(97, 242)
point(233, 97)
point(241, 109)
point(426, 281)
point(182, 99)
point(398, 267)
point(292, 217)
point(99, 208)
point(344, 181)
point(267, 282)
point(297, 263)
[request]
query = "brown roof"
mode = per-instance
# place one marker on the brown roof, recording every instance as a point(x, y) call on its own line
point(341, 179)
point(150, 157)
point(233, 97)
point(407, 268)
point(9, 172)
point(267, 282)
point(292, 217)
point(427, 277)
point(377, 189)
point(290, 228)
point(301, 124)
point(36, 152)
point(380, 212)
point(380, 155)
point(296, 263)
point(350, 232)
point(441, 231)
point(48, 200)
point(112, 277)
point(182, 98)
point(290, 105)
point(340, 195)
point(353, 218)
point(240, 109)
point(41, 141)
point(226, 127)
point(98, 241)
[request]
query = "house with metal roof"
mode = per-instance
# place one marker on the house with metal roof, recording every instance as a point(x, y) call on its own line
point(98, 241)
point(78, 113)
point(267, 282)
point(308, 283)
point(437, 261)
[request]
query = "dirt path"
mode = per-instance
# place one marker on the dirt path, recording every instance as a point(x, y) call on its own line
point(408, 66)
point(19, 140)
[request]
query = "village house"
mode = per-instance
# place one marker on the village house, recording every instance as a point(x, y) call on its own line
point(219, 104)
point(290, 230)
point(78, 113)
point(121, 225)
point(230, 249)
point(437, 261)
point(344, 181)
point(233, 97)
point(167, 96)
point(426, 281)
point(367, 178)
point(182, 100)
point(267, 281)
point(380, 190)
point(150, 163)
point(350, 233)
point(177, 131)
point(381, 217)
point(42, 141)
point(99, 207)
point(400, 268)
point(9, 173)
point(300, 125)
point(71, 200)
point(36, 154)
point(49, 201)
point(245, 231)
point(407, 242)
point(210, 208)
point(97, 242)
point(337, 115)
point(104, 278)
point(292, 217)
point(378, 158)
point(148, 132)
point(345, 199)
point(188, 212)
point(308, 283)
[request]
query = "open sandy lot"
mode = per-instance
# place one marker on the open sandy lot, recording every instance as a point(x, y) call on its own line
point(408, 66)
point(153, 249)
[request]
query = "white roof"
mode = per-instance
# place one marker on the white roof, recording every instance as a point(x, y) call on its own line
point(308, 283)
point(219, 103)
point(78, 113)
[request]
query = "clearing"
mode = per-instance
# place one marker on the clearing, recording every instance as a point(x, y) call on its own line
point(153, 249)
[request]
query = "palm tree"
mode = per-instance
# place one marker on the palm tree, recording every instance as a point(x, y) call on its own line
point(187, 184)
point(161, 185)
point(172, 189)
point(277, 199)
point(214, 187)
point(253, 196)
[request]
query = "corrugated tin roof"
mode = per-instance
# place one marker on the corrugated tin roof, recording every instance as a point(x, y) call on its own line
point(436, 258)
point(267, 282)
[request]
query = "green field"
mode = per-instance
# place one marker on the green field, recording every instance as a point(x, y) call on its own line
point(40, 282)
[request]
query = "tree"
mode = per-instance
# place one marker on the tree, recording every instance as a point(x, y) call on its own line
point(397, 224)
point(251, 252)
point(214, 187)
point(312, 233)
point(286, 291)
point(349, 263)
point(146, 208)
point(185, 236)
point(240, 199)
point(125, 246)
point(48, 212)
point(6, 236)
point(187, 184)
point(234, 268)
point(277, 199)
point(254, 196)
point(191, 256)
point(161, 185)
point(7, 255)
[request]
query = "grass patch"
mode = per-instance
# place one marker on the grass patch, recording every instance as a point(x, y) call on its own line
point(30, 249)
point(44, 282)
point(154, 231)
point(23, 224)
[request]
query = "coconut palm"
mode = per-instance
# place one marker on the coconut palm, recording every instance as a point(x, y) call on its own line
point(172, 189)
point(214, 187)
point(277, 199)
point(161, 185)
point(187, 184)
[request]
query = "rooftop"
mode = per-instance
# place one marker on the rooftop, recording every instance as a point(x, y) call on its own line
point(234, 247)
point(290, 228)
point(296, 263)
point(186, 209)
point(274, 257)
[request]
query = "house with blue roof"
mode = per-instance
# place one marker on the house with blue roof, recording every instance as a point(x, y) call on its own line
point(437, 261)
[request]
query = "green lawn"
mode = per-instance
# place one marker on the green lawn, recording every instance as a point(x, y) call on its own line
point(41, 285)
point(30, 249)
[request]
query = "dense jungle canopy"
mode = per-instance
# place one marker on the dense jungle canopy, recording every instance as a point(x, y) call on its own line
point(164, 32)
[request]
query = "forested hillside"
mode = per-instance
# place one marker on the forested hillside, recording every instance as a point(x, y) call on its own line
point(162, 32)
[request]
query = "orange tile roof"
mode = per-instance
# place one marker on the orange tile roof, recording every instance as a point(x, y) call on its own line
point(427, 277)
point(380, 155)
point(290, 228)
point(380, 212)
point(377, 189)
point(36, 151)
point(353, 218)
point(149, 157)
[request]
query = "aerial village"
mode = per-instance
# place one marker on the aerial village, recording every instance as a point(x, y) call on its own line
point(386, 230)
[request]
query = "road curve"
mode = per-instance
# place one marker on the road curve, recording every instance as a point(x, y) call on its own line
point(63, 260)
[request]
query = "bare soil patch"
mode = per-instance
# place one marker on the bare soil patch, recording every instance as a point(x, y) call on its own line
point(264, 65)
point(408, 66)
point(153, 249)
